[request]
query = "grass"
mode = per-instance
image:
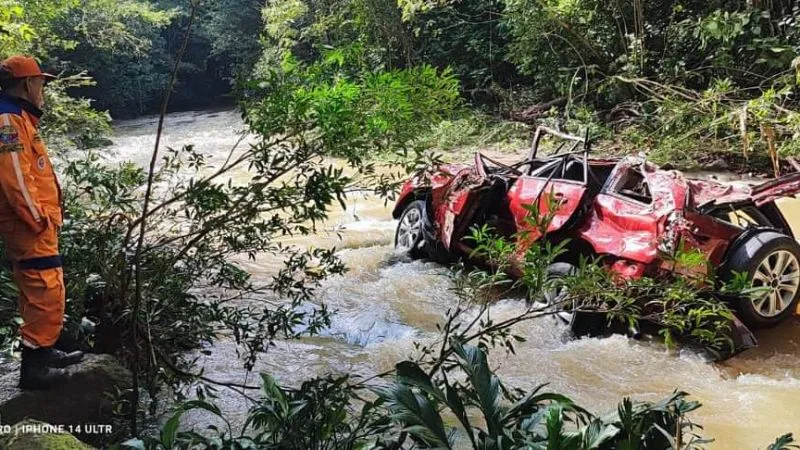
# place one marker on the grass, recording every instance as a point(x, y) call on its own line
point(460, 137)
point(473, 131)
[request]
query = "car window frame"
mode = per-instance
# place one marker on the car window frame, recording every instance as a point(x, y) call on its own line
point(613, 181)
point(555, 162)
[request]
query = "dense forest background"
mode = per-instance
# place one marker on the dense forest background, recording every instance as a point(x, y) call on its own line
point(667, 73)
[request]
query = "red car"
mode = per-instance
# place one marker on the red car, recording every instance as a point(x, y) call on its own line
point(626, 210)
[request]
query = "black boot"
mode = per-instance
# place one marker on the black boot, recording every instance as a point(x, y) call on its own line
point(35, 373)
point(73, 337)
point(66, 343)
point(58, 359)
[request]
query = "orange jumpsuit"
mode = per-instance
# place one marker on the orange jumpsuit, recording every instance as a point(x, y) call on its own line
point(30, 217)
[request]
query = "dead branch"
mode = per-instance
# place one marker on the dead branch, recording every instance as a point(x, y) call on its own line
point(531, 114)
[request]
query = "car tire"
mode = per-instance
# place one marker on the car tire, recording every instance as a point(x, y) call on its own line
point(772, 261)
point(409, 238)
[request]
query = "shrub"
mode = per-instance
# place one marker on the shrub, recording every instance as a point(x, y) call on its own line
point(332, 413)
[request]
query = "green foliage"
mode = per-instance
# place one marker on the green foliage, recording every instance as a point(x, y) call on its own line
point(682, 307)
point(72, 123)
point(652, 64)
point(323, 413)
point(516, 419)
point(120, 45)
point(127, 47)
point(471, 38)
point(466, 37)
point(350, 115)
point(76, 36)
point(15, 33)
point(61, 26)
point(784, 442)
point(562, 43)
point(199, 221)
point(668, 75)
point(102, 25)
point(232, 29)
point(10, 320)
point(472, 131)
point(417, 406)
point(730, 121)
point(307, 29)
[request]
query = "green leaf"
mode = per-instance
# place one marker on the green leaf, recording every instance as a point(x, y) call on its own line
point(484, 382)
point(783, 443)
point(202, 404)
point(169, 431)
point(457, 407)
point(410, 373)
point(416, 413)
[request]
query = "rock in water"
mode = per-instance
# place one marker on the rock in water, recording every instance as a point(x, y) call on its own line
point(81, 402)
point(718, 164)
point(21, 439)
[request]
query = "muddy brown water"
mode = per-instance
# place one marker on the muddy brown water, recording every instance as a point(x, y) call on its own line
point(385, 304)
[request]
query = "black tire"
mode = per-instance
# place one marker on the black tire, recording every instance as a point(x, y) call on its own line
point(757, 257)
point(412, 246)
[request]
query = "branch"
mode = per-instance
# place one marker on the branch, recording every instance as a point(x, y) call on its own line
point(137, 302)
point(228, 384)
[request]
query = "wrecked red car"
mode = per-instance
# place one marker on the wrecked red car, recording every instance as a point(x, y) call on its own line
point(627, 211)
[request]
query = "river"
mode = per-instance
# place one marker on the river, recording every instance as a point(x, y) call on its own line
point(384, 305)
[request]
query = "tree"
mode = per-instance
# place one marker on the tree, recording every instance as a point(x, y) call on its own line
point(301, 114)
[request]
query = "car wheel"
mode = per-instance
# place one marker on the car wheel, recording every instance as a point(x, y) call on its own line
point(772, 261)
point(409, 238)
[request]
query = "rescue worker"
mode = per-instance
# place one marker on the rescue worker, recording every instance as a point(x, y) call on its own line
point(30, 218)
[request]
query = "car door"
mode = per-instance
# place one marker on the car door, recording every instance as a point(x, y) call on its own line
point(629, 216)
point(550, 200)
point(456, 205)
